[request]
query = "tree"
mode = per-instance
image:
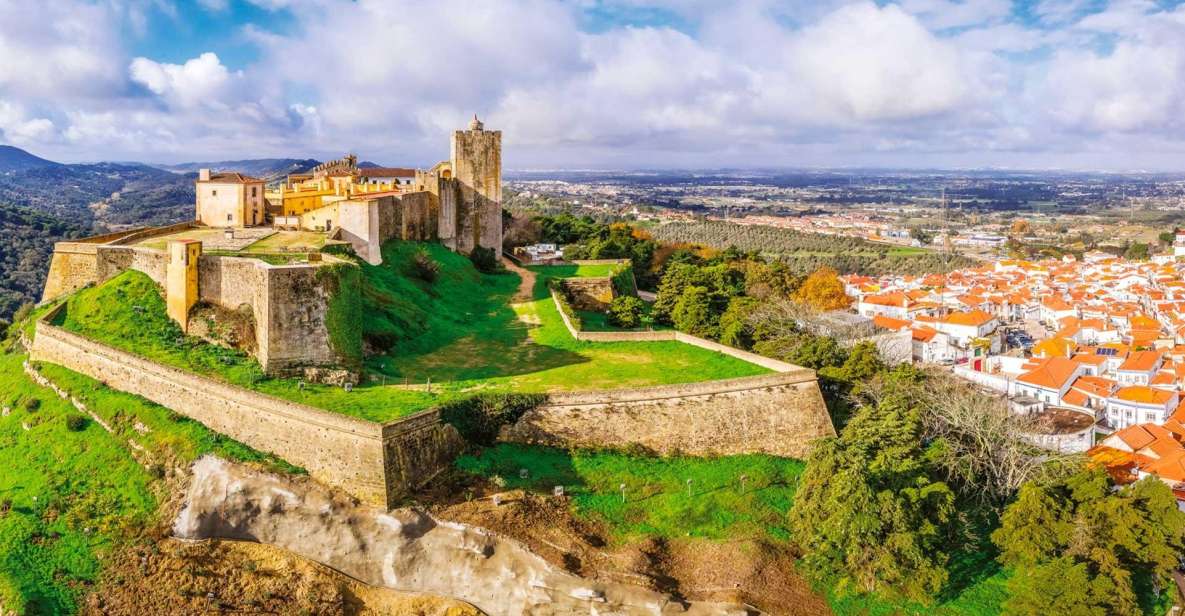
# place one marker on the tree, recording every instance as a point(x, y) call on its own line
point(693, 314)
point(625, 311)
point(1116, 537)
point(1167, 237)
point(869, 512)
point(1060, 586)
point(1020, 227)
point(921, 235)
point(823, 291)
point(863, 362)
point(1136, 251)
point(736, 329)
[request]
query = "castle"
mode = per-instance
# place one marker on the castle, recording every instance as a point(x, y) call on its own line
point(457, 201)
point(266, 257)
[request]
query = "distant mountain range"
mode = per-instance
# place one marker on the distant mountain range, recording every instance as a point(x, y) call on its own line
point(266, 168)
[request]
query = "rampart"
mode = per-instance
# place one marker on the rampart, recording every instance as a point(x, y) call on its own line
point(779, 414)
point(376, 462)
point(289, 303)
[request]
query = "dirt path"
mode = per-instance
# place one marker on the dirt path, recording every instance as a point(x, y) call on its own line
point(526, 285)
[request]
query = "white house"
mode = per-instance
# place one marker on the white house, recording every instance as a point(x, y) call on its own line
point(1136, 404)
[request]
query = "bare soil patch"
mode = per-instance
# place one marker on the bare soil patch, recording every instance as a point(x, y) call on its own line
point(177, 577)
point(755, 572)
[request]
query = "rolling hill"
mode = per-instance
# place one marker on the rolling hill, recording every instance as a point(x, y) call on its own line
point(15, 159)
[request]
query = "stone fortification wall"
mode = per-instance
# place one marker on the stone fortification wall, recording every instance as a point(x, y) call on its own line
point(449, 217)
point(140, 235)
point(415, 217)
point(296, 332)
point(375, 462)
point(779, 414)
point(289, 304)
point(339, 450)
point(589, 293)
point(73, 266)
point(92, 260)
point(111, 260)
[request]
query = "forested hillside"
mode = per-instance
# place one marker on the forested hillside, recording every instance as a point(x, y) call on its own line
point(77, 192)
point(26, 243)
point(806, 252)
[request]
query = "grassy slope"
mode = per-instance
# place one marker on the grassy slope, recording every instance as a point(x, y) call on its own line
point(74, 496)
point(460, 332)
point(657, 501)
point(64, 513)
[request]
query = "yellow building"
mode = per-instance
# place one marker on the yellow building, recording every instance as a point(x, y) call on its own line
point(303, 193)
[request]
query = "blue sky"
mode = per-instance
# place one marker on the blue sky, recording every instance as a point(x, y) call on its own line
point(1080, 84)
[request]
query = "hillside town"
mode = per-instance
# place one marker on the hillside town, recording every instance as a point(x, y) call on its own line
point(1093, 350)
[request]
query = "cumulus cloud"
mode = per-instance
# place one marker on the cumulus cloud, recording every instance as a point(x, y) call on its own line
point(201, 81)
point(769, 81)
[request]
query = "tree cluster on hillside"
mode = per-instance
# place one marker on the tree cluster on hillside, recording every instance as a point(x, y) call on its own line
point(1078, 546)
point(930, 474)
point(26, 244)
point(807, 252)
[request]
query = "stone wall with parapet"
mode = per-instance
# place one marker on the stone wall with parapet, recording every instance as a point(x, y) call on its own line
point(779, 414)
point(92, 260)
point(376, 462)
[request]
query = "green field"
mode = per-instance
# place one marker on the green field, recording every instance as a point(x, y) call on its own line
point(460, 332)
point(68, 497)
point(657, 499)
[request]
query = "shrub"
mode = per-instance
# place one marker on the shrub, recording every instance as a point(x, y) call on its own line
point(480, 418)
point(484, 259)
point(626, 312)
point(424, 268)
point(32, 404)
point(75, 422)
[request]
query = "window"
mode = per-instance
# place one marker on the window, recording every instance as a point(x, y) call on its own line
point(214, 193)
point(228, 218)
point(253, 191)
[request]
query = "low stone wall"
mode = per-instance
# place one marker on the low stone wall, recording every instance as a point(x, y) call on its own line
point(655, 336)
point(778, 414)
point(376, 462)
point(92, 260)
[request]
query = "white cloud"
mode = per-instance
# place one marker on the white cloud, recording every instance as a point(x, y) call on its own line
point(18, 127)
point(755, 81)
point(201, 81)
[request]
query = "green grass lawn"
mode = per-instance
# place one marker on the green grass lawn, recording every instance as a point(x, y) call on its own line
point(459, 332)
point(68, 497)
point(593, 321)
point(657, 501)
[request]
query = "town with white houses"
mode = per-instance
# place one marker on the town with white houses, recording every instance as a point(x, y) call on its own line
point(1093, 350)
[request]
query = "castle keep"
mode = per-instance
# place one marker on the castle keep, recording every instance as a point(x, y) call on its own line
point(262, 254)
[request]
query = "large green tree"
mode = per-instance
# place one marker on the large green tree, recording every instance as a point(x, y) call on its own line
point(870, 513)
point(1082, 526)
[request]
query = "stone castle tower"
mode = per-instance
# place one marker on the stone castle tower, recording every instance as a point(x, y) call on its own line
point(471, 190)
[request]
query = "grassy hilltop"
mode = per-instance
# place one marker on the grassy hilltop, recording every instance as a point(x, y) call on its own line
point(460, 331)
